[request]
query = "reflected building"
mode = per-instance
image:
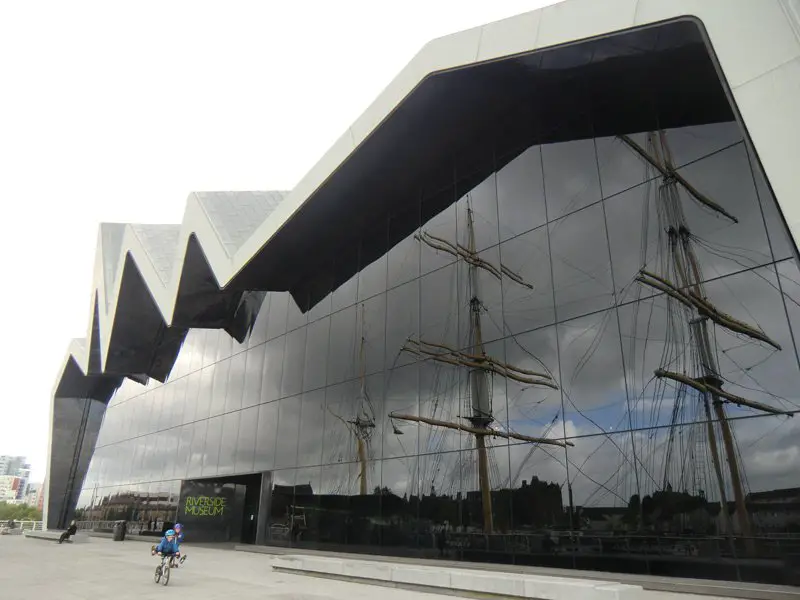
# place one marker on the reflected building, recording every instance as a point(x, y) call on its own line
point(543, 313)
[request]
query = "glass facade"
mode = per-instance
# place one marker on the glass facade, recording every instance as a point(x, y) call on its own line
point(565, 262)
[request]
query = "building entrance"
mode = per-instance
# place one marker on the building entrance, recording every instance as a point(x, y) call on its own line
point(221, 509)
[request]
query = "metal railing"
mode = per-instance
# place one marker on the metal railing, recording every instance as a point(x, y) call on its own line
point(19, 527)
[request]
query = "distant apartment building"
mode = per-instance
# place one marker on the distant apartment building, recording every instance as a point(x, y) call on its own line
point(10, 486)
point(33, 494)
point(9, 465)
point(17, 467)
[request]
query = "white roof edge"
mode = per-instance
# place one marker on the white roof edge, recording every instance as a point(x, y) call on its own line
point(756, 43)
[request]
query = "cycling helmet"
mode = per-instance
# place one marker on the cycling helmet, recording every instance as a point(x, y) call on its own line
point(170, 532)
point(178, 526)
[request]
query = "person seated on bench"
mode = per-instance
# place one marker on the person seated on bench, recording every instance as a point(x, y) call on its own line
point(71, 530)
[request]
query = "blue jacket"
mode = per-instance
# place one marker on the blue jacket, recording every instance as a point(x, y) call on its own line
point(179, 538)
point(167, 547)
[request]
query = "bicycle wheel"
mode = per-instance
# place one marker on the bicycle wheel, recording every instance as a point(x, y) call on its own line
point(165, 575)
point(157, 575)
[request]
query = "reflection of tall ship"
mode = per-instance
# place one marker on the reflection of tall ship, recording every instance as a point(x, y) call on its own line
point(688, 378)
point(477, 418)
point(360, 423)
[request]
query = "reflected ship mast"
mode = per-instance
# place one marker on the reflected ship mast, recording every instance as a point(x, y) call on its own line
point(686, 288)
point(362, 425)
point(481, 366)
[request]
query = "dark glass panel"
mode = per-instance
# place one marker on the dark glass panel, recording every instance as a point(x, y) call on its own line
point(247, 440)
point(205, 394)
point(312, 418)
point(720, 245)
point(620, 167)
point(443, 395)
point(570, 177)
point(211, 349)
point(400, 504)
point(193, 386)
point(372, 277)
point(538, 502)
point(139, 454)
point(173, 490)
point(592, 377)
point(750, 369)
point(307, 499)
point(219, 387)
point(103, 437)
point(607, 483)
point(293, 363)
point(439, 306)
point(341, 525)
point(767, 447)
point(581, 269)
point(273, 369)
point(266, 437)
point(636, 239)
point(485, 287)
point(372, 321)
point(228, 443)
point(142, 407)
point(345, 295)
point(295, 317)
point(789, 275)
point(211, 453)
point(198, 340)
point(225, 344)
point(196, 457)
point(341, 405)
point(403, 258)
point(482, 201)
point(132, 408)
point(688, 144)
point(183, 452)
point(235, 385)
point(253, 373)
point(184, 359)
point(402, 322)
point(282, 529)
point(278, 307)
point(174, 399)
point(448, 480)
point(528, 257)
point(443, 226)
point(167, 447)
point(520, 194)
point(342, 353)
point(158, 399)
point(288, 432)
point(316, 354)
point(323, 307)
point(258, 335)
point(780, 240)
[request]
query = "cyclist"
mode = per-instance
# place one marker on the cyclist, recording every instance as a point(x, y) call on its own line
point(179, 540)
point(168, 546)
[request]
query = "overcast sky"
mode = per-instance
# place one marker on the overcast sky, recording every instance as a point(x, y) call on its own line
point(115, 111)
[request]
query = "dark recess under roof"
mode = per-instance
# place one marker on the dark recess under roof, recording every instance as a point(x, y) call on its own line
point(459, 126)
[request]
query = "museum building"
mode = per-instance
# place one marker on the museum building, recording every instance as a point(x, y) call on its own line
point(538, 305)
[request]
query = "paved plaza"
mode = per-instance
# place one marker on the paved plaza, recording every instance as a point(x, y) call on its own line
point(43, 570)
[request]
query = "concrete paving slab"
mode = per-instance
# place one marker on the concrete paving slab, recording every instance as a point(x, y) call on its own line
point(32, 569)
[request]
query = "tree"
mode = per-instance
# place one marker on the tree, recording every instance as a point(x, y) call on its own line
point(19, 512)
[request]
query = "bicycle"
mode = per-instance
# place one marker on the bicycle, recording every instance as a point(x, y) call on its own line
point(163, 569)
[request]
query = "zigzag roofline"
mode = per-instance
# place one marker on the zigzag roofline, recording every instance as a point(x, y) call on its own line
point(759, 58)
